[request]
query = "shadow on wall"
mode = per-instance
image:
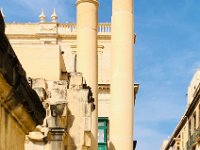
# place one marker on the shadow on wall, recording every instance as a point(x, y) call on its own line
point(111, 146)
point(70, 122)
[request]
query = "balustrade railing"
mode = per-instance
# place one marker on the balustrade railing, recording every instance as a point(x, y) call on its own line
point(71, 28)
point(67, 28)
point(104, 28)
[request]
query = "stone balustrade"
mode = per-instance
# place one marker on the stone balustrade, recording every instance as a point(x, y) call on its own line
point(104, 28)
point(71, 28)
point(50, 28)
point(66, 28)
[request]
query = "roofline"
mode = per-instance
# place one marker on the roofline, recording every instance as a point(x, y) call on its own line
point(185, 116)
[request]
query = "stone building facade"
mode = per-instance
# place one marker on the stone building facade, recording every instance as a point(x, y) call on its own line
point(186, 135)
point(35, 43)
point(51, 51)
point(52, 47)
point(20, 106)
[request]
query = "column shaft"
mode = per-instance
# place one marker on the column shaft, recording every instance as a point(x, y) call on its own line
point(122, 90)
point(87, 58)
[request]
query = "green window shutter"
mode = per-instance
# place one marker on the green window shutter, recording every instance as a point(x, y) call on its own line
point(102, 133)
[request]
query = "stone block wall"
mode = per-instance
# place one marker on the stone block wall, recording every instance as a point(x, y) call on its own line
point(12, 136)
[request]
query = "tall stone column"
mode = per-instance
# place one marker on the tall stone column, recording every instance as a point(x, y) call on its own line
point(87, 63)
point(122, 90)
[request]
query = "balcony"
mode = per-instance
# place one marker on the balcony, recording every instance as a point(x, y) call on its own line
point(193, 139)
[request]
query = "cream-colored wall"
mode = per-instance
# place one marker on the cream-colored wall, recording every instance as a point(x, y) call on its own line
point(42, 60)
point(69, 54)
point(62, 35)
point(27, 29)
point(11, 135)
point(39, 61)
point(104, 104)
point(104, 62)
point(69, 48)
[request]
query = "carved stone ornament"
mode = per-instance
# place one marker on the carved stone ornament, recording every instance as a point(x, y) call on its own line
point(48, 28)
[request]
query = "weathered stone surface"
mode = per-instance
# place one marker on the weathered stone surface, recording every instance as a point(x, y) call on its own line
point(80, 107)
point(76, 80)
point(20, 107)
point(12, 135)
point(53, 95)
point(68, 115)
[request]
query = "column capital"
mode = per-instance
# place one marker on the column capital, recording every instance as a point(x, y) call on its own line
point(88, 1)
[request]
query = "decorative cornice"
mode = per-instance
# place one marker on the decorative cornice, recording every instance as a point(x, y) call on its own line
point(104, 37)
point(107, 87)
point(88, 1)
point(99, 46)
point(62, 36)
point(104, 86)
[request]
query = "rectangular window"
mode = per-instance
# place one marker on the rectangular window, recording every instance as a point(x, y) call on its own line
point(102, 133)
point(189, 126)
point(194, 119)
point(101, 136)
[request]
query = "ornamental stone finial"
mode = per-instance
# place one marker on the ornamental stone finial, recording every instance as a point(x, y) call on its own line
point(42, 16)
point(54, 16)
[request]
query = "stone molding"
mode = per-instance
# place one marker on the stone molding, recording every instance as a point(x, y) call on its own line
point(88, 1)
point(58, 36)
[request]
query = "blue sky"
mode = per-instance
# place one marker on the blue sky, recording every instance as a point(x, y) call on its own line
point(166, 56)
